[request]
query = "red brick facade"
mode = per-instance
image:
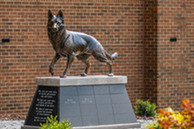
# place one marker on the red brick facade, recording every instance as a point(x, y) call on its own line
point(175, 59)
point(139, 30)
point(150, 50)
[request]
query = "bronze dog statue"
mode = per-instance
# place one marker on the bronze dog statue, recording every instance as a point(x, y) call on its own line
point(74, 44)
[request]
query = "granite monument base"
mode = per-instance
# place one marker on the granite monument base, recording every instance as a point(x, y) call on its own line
point(93, 102)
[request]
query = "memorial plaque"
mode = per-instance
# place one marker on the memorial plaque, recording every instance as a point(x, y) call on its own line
point(97, 104)
point(44, 104)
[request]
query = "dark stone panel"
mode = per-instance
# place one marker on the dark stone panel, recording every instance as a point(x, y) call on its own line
point(105, 109)
point(44, 104)
point(70, 100)
point(132, 117)
point(120, 98)
point(75, 120)
point(88, 110)
point(106, 119)
point(122, 118)
point(87, 100)
point(99, 90)
point(69, 91)
point(90, 120)
point(117, 89)
point(70, 110)
point(121, 108)
point(103, 99)
point(85, 90)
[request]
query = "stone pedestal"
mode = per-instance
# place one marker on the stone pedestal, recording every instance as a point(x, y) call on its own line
point(92, 102)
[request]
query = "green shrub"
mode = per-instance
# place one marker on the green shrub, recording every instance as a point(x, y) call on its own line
point(145, 108)
point(53, 123)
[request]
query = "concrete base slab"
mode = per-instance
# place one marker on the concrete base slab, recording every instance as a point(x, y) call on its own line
point(29, 127)
point(78, 80)
point(114, 126)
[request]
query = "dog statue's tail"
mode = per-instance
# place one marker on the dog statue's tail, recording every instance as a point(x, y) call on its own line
point(111, 57)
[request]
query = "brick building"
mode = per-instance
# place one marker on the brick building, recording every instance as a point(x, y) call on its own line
point(154, 39)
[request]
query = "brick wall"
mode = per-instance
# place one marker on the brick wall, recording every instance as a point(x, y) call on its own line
point(150, 50)
point(139, 30)
point(175, 59)
point(118, 25)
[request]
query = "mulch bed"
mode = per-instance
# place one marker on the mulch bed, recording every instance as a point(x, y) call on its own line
point(144, 118)
point(23, 117)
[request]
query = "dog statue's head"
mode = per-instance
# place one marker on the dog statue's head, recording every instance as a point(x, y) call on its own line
point(55, 22)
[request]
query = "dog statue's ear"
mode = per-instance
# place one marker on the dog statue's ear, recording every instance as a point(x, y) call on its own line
point(60, 14)
point(50, 15)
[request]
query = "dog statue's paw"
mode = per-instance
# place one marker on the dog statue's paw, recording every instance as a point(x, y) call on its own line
point(110, 74)
point(63, 76)
point(83, 74)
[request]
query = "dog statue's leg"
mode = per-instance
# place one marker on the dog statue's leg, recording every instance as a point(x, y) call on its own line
point(84, 57)
point(87, 62)
point(110, 69)
point(51, 66)
point(102, 58)
point(70, 59)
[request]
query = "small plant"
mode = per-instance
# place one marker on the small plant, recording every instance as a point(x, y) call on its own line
point(53, 123)
point(169, 119)
point(145, 108)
